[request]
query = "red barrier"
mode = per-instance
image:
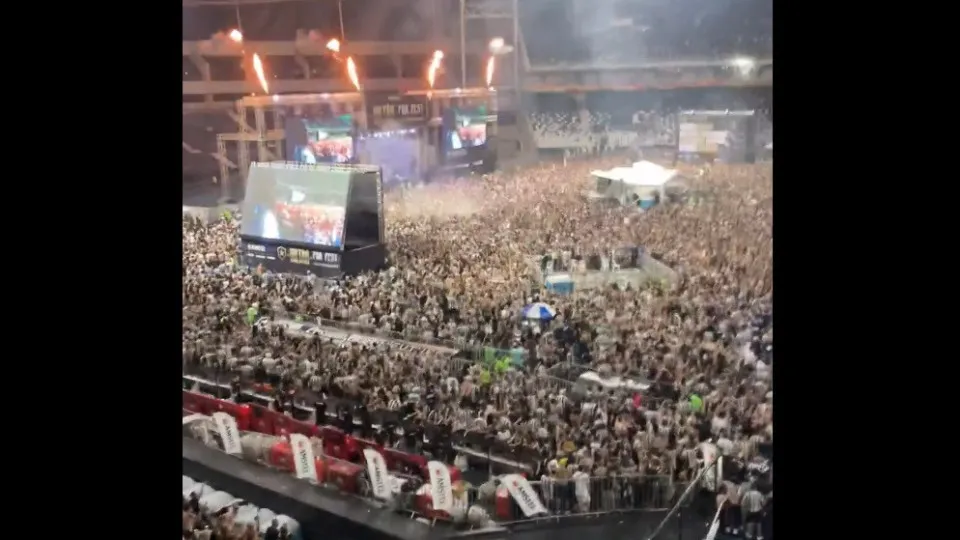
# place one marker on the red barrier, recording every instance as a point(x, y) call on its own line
point(336, 443)
point(204, 404)
point(344, 475)
point(504, 510)
point(191, 402)
point(281, 457)
point(261, 420)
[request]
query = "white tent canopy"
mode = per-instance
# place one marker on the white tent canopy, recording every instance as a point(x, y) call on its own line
point(641, 173)
point(199, 488)
point(642, 179)
point(218, 500)
point(248, 514)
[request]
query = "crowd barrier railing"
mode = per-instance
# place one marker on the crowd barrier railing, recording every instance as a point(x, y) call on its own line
point(480, 352)
point(258, 417)
point(561, 498)
point(594, 496)
point(331, 472)
point(254, 412)
point(466, 353)
point(469, 348)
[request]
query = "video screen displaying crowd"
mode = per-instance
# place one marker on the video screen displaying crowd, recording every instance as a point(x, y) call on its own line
point(460, 274)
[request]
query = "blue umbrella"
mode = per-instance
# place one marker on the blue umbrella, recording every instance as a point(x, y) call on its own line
point(539, 311)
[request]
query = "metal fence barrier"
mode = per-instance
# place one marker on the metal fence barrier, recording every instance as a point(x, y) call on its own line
point(469, 352)
point(332, 475)
point(608, 494)
point(561, 497)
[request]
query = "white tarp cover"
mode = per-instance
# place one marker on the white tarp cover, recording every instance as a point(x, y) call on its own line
point(247, 514)
point(218, 500)
point(214, 501)
point(199, 488)
point(266, 515)
point(642, 173)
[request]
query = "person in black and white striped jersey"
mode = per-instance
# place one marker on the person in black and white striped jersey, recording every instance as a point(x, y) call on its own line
point(752, 503)
point(394, 403)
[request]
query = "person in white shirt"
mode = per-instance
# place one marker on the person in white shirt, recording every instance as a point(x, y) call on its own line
point(307, 156)
point(581, 483)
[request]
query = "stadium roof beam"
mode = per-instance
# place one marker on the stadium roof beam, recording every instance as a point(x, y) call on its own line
point(288, 86)
point(291, 48)
point(198, 107)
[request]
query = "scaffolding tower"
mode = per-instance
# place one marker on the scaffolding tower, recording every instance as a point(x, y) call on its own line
point(266, 137)
point(500, 14)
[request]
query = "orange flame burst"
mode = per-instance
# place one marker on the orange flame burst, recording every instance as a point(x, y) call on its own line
point(235, 36)
point(352, 73)
point(491, 67)
point(258, 67)
point(434, 67)
point(333, 45)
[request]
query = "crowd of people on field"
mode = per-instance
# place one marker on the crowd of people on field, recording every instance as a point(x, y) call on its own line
point(461, 258)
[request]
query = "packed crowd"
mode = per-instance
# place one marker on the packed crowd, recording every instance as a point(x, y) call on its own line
point(595, 132)
point(578, 32)
point(461, 265)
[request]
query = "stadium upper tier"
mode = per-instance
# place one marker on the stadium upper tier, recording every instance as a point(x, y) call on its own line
point(622, 31)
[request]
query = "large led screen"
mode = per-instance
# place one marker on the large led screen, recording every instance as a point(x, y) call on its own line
point(469, 129)
point(320, 139)
point(294, 203)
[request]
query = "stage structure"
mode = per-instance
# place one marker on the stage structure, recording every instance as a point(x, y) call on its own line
point(450, 128)
point(325, 219)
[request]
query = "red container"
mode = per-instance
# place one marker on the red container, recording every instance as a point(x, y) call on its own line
point(344, 475)
point(504, 506)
